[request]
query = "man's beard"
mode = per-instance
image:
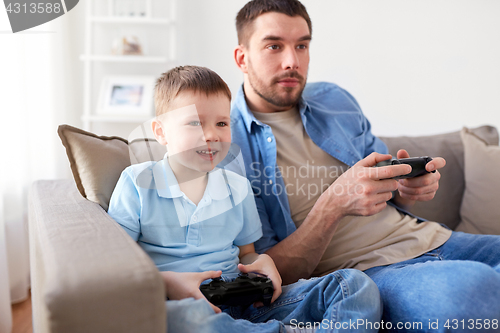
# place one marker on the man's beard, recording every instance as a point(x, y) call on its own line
point(270, 94)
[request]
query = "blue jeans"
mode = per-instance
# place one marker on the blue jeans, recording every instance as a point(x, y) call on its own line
point(454, 288)
point(345, 299)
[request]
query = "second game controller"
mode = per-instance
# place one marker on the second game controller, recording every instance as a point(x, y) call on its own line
point(417, 165)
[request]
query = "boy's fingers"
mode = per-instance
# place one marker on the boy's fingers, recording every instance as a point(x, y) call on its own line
point(258, 304)
point(245, 268)
point(215, 308)
point(210, 275)
point(199, 295)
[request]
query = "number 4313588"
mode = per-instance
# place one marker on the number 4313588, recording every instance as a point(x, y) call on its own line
point(34, 8)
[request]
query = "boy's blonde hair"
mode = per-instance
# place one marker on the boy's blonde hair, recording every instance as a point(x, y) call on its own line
point(191, 78)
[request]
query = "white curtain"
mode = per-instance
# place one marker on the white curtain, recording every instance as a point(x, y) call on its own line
point(40, 88)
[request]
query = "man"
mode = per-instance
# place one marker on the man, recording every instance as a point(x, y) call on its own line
point(309, 154)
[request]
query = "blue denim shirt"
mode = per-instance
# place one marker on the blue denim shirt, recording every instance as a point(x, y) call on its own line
point(333, 120)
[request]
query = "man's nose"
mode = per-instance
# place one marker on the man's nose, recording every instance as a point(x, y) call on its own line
point(290, 59)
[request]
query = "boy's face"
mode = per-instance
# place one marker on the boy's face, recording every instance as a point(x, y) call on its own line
point(196, 131)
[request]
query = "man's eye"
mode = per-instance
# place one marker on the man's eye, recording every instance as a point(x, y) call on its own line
point(302, 47)
point(222, 124)
point(273, 47)
point(194, 123)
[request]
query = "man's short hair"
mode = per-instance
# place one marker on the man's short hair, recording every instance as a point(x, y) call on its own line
point(187, 78)
point(255, 8)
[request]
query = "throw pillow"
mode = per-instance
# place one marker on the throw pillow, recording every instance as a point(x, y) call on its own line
point(480, 211)
point(445, 207)
point(96, 162)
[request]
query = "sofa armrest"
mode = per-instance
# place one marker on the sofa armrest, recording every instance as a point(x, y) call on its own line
point(87, 274)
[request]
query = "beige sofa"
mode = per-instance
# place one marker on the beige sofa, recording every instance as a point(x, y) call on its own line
point(89, 276)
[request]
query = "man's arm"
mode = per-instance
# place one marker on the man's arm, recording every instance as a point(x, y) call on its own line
point(362, 191)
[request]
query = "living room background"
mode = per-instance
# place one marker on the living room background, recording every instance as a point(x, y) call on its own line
point(415, 67)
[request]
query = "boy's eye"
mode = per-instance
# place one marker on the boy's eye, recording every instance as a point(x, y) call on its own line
point(273, 47)
point(302, 46)
point(221, 124)
point(194, 123)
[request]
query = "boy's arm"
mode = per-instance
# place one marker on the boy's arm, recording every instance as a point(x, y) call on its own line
point(262, 264)
point(125, 205)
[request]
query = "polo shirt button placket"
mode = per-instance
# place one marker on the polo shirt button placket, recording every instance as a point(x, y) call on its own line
point(193, 231)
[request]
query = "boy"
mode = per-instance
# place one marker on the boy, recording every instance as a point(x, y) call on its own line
point(199, 222)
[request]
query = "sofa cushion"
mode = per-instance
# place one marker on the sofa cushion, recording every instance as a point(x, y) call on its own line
point(445, 207)
point(480, 209)
point(97, 161)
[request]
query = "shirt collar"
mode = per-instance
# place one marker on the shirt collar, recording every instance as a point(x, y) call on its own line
point(167, 185)
point(248, 116)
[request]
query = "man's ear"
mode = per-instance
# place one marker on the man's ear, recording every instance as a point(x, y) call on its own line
point(158, 132)
point(240, 58)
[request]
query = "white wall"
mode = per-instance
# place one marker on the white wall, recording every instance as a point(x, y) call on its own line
point(415, 67)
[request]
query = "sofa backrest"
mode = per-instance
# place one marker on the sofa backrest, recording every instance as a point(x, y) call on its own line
point(445, 207)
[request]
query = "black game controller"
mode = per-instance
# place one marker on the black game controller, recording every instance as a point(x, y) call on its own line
point(244, 290)
point(417, 165)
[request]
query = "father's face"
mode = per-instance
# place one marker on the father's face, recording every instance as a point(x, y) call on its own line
point(277, 59)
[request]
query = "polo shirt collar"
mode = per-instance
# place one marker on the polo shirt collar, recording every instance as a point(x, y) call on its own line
point(168, 187)
point(165, 181)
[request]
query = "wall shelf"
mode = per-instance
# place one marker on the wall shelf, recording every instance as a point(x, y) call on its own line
point(153, 27)
point(123, 58)
point(131, 20)
point(116, 118)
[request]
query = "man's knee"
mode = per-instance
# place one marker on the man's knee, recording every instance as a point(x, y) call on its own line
point(355, 283)
point(443, 290)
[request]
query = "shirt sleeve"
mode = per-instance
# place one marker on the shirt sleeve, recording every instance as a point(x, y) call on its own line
point(252, 227)
point(125, 205)
point(372, 143)
point(269, 238)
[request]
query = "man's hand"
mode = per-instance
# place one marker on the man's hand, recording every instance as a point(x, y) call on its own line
point(184, 285)
point(363, 189)
point(421, 188)
point(264, 264)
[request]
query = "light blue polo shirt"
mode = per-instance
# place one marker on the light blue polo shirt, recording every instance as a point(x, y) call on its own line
point(178, 235)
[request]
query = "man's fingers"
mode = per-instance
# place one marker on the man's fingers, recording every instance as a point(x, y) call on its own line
point(373, 159)
point(402, 154)
point(436, 164)
point(389, 171)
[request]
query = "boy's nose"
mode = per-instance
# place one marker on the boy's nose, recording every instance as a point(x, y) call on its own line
point(209, 135)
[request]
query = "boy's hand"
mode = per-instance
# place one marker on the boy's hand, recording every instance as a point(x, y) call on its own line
point(264, 264)
point(184, 285)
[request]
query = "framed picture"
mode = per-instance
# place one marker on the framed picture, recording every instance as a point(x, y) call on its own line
point(126, 95)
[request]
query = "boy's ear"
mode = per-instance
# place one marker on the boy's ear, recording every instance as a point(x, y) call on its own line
point(240, 58)
point(158, 132)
